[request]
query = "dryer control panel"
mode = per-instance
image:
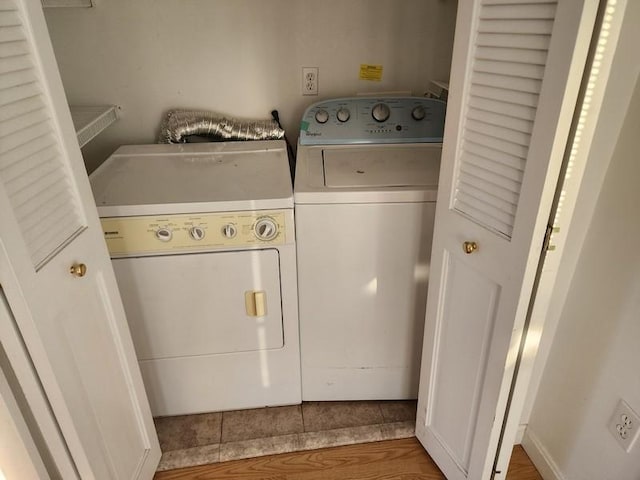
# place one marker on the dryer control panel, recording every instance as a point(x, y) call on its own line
point(373, 120)
point(198, 232)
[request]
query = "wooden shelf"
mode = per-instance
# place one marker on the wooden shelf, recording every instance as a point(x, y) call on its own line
point(90, 121)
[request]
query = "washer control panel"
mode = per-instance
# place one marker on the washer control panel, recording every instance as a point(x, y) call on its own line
point(373, 120)
point(127, 236)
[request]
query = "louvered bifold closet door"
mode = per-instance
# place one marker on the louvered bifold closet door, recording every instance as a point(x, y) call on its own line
point(508, 65)
point(32, 166)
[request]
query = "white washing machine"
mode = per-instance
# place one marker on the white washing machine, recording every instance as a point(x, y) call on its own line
point(365, 191)
point(203, 247)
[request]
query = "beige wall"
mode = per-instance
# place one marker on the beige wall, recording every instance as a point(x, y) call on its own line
point(595, 357)
point(240, 57)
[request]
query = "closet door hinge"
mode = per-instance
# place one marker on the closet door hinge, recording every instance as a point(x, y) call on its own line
point(546, 245)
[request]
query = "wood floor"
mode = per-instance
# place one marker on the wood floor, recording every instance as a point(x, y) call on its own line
point(388, 460)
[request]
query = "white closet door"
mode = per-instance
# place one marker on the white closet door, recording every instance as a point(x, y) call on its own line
point(73, 325)
point(516, 71)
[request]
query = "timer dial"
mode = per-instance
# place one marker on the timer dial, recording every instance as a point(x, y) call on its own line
point(380, 112)
point(265, 229)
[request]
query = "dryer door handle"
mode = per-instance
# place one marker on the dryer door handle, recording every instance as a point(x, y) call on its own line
point(255, 302)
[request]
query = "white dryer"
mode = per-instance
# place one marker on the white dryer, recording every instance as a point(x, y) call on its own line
point(365, 191)
point(203, 247)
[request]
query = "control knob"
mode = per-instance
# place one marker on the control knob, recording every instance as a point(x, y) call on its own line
point(197, 233)
point(265, 229)
point(164, 234)
point(343, 114)
point(229, 230)
point(380, 112)
point(322, 116)
point(418, 113)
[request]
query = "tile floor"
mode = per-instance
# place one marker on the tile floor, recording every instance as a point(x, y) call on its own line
point(191, 440)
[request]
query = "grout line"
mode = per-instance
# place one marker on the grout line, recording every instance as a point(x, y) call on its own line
point(221, 423)
point(384, 420)
point(304, 425)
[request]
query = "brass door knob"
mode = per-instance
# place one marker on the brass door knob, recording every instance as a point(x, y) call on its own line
point(469, 247)
point(78, 270)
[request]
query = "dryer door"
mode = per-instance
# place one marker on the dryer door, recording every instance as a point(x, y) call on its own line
point(194, 304)
point(200, 345)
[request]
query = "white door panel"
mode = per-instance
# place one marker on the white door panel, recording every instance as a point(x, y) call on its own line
point(464, 330)
point(82, 333)
point(73, 327)
point(516, 72)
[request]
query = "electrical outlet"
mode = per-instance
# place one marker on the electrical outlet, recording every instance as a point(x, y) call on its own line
point(309, 80)
point(624, 425)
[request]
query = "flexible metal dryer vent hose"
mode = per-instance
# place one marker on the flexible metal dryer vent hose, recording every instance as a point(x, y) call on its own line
point(179, 125)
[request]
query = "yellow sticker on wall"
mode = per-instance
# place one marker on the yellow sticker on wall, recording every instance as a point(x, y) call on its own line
point(371, 72)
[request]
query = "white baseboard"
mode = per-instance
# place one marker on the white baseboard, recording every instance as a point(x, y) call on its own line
point(540, 457)
point(520, 433)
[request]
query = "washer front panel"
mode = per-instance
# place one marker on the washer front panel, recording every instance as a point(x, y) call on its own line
point(157, 234)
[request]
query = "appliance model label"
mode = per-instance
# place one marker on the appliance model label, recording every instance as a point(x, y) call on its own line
point(371, 72)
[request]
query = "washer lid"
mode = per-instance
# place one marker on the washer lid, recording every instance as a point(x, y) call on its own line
point(381, 167)
point(226, 176)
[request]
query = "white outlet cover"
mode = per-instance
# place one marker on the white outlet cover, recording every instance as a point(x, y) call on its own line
point(310, 81)
point(624, 425)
